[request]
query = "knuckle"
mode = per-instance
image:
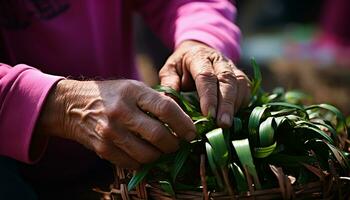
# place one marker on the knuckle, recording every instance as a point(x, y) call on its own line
point(165, 106)
point(104, 131)
point(206, 76)
point(217, 57)
point(123, 141)
point(134, 123)
point(227, 77)
point(243, 81)
point(120, 110)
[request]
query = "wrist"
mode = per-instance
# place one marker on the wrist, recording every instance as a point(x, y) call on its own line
point(52, 116)
point(186, 44)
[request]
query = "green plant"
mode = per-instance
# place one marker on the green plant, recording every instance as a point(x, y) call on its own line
point(275, 133)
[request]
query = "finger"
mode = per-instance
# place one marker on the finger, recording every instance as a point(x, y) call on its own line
point(227, 91)
point(115, 155)
point(167, 111)
point(170, 74)
point(106, 151)
point(153, 131)
point(135, 147)
point(206, 83)
point(243, 90)
point(247, 97)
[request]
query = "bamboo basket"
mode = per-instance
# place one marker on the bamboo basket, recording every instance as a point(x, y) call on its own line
point(325, 184)
point(328, 187)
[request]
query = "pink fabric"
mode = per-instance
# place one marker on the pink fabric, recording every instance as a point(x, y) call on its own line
point(91, 38)
point(22, 93)
point(207, 21)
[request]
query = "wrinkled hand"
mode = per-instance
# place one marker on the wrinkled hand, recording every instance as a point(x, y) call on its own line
point(221, 87)
point(109, 117)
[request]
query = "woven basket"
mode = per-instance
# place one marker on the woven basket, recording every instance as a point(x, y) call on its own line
point(328, 187)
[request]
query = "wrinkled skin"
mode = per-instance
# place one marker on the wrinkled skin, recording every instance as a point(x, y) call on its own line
point(110, 117)
point(221, 87)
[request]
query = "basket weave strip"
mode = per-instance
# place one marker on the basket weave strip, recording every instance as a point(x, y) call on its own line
point(325, 188)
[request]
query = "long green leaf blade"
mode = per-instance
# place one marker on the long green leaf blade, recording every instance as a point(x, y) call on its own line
point(245, 157)
point(262, 152)
point(139, 176)
point(217, 141)
point(254, 123)
point(340, 117)
point(267, 131)
point(256, 83)
point(167, 187)
point(212, 164)
point(180, 159)
point(241, 182)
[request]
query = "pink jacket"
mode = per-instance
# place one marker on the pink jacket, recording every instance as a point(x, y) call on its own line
point(89, 38)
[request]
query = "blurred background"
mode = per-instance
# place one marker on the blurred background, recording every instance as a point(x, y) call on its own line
point(298, 44)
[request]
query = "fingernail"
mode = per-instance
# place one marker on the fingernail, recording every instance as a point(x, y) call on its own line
point(212, 112)
point(226, 119)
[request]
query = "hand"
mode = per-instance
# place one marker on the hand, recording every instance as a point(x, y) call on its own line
point(221, 87)
point(109, 117)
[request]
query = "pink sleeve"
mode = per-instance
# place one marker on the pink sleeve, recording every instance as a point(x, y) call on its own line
point(22, 92)
point(207, 21)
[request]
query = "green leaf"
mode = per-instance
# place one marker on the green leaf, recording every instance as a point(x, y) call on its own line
point(180, 159)
point(341, 158)
point(217, 141)
point(317, 126)
point(212, 164)
point(262, 152)
point(167, 187)
point(286, 105)
point(266, 132)
point(256, 83)
point(242, 149)
point(139, 176)
point(254, 123)
point(283, 112)
point(340, 117)
point(348, 121)
point(237, 125)
point(189, 108)
point(203, 125)
point(296, 96)
point(286, 119)
point(318, 132)
point(239, 177)
point(276, 94)
point(317, 145)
